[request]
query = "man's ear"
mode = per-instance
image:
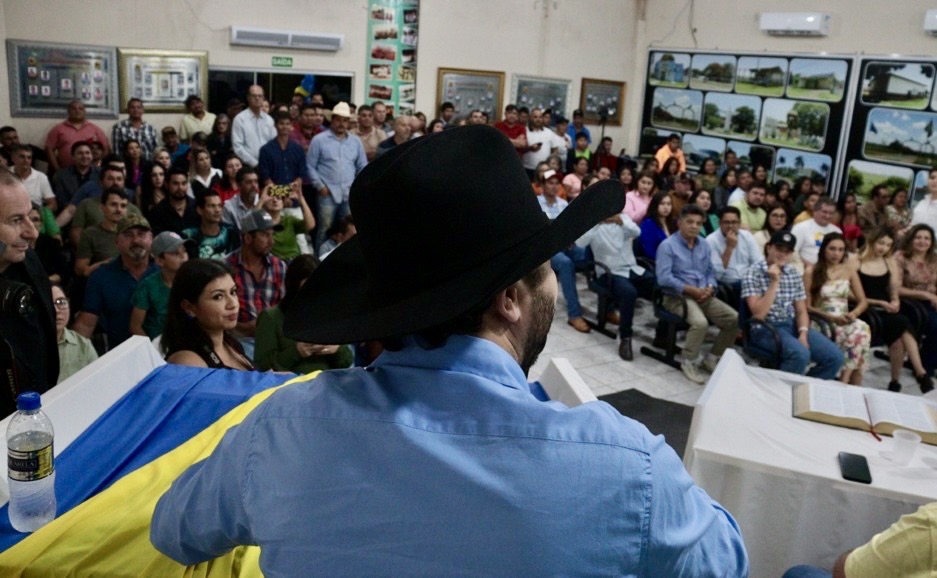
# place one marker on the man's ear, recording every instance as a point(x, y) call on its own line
point(506, 304)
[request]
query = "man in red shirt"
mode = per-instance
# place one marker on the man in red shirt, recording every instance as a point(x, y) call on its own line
point(73, 129)
point(515, 131)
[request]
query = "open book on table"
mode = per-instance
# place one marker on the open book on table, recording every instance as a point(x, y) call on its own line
point(865, 409)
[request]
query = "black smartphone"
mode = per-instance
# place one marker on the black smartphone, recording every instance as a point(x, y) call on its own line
point(854, 468)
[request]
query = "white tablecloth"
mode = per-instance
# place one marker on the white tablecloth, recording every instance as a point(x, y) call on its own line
point(779, 475)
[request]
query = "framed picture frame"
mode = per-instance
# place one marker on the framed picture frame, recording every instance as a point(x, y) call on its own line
point(46, 76)
point(162, 79)
point(602, 98)
point(471, 89)
point(541, 92)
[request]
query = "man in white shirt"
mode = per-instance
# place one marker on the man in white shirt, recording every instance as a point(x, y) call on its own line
point(734, 250)
point(810, 233)
point(252, 128)
point(540, 143)
point(36, 183)
point(197, 120)
point(925, 211)
point(744, 180)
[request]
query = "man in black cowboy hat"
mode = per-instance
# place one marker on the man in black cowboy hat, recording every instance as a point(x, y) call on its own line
point(436, 459)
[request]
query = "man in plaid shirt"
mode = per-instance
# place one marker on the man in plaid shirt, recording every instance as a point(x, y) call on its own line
point(774, 293)
point(259, 276)
point(134, 127)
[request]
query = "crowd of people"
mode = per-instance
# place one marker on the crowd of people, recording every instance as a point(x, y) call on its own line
point(260, 187)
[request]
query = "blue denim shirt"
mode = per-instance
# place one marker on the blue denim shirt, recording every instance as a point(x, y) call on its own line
point(440, 463)
point(334, 163)
point(678, 265)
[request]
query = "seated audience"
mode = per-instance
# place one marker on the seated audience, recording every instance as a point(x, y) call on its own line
point(75, 128)
point(37, 183)
point(153, 189)
point(338, 233)
point(684, 267)
point(572, 182)
point(727, 184)
point(75, 351)
point(829, 284)
point(110, 288)
point(151, 297)
point(218, 142)
point(197, 119)
point(177, 211)
point(704, 200)
point(782, 196)
point(658, 225)
point(810, 233)
point(212, 239)
point(247, 199)
point(744, 182)
point(96, 245)
point(667, 176)
point(202, 176)
point(563, 263)
point(48, 247)
point(807, 207)
point(135, 164)
point(638, 201)
point(907, 548)
point(706, 179)
point(881, 282)
point(275, 351)
point(259, 274)
point(289, 229)
point(67, 181)
point(777, 220)
point(202, 312)
point(627, 177)
point(681, 192)
point(918, 263)
point(227, 185)
point(872, 215)
point(898, 212)
point(612, 243)
point(734, 250)
point(751, 208)
point(774, 294)
point(846, 218)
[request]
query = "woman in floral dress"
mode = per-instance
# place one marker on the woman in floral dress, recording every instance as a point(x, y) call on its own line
point(918, 265)
point(828, 285)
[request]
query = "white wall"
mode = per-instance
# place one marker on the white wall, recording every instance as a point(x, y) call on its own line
point(556, 38)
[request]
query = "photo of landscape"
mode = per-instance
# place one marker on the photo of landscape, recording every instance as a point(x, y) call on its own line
point(698, 148)
point(901, 136)
point(713, 72)
point(761, 75)
point(669, 69)
point(791, 165)
point(732, 115)
point(815, 79)
point(677, 109)
point(793, 123)
point(863, 175)
point(898, 84)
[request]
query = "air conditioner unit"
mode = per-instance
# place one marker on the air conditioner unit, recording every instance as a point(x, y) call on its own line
point(286, 39)
point(795, 23)
point(930, 22)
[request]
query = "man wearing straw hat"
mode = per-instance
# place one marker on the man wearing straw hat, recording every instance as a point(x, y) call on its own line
point(437, 459)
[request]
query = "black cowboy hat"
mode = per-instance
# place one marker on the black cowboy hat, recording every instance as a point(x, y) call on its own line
point(444, 222)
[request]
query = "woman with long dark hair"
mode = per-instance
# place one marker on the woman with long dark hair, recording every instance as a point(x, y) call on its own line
point(152, 188)
point(778, 219)
point(704, 200)
point(203, 309)
point(918, 264)
point(219, 141)
point(275, 351)
point(847, 219)
point(828, 285)
point(658, 224)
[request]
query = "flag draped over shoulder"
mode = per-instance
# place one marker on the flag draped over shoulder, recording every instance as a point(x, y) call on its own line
point(172, 419)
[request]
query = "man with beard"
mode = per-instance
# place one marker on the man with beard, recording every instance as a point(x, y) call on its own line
point(177, 211)
point(370, 135)
point(96, 245)
point(197, 120)
point(437, 459)
point(110, 287)
point(75, 128)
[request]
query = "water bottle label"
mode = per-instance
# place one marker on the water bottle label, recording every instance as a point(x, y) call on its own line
point(30, 466)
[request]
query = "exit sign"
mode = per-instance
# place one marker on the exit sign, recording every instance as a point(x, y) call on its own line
point(283, 61)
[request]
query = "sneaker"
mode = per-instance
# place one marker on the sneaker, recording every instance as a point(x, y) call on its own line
point(691, 371)
point(710, 363)
point(579, 324)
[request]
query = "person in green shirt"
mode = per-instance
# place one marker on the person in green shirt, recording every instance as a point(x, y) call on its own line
point(151, 297)
point(273, 350)
point(285, 242)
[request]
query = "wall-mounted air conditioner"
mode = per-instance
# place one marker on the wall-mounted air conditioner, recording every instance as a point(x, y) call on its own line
point(286, 39)
point(930, 22)
point(795, 23)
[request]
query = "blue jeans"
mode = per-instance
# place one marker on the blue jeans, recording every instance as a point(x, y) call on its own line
point(327, 212)
point(626, 292)
point(805, 571)
point(564, 264)
point(794, 356)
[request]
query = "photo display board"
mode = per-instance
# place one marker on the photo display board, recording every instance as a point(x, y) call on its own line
point(393, 32)
point(892, 140)
point(785, 112)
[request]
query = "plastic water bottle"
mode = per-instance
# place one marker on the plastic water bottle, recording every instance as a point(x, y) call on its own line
point(30, 465)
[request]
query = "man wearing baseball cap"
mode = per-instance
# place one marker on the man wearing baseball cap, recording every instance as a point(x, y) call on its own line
point(436, 459)
point(333, 160)
point(774, 293)
point(111, 286)
point(151, 297)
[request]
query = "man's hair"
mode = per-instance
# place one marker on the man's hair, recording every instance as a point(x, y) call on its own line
point(446, 106)
point(582, 134)
point(283, 115)
point(243, 172)
point(523, 109)
point(758, 185)
point(692, 210)
point(111, 168)
point(822, 201)
point(113, 192)
point(176, 170)
point(20, 147)
point(76, 145)
point(510, 108)
point(577, 112)
point(192, 98)
point(200, 199)
point(673, 136)
point(7, 128)
point(728, 209)
point(133, 99)
point(112, 158)
point(465, 324)
point(340, 226)
point(606, 139)
point(365, 108)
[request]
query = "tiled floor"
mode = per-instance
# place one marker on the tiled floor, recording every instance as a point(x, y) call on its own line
point(595, 357)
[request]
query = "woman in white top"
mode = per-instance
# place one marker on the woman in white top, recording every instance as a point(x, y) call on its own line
point(202, 176)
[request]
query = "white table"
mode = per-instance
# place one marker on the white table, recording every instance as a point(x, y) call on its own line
point(779, 475)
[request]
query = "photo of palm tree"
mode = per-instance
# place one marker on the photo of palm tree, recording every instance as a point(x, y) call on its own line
point(792, 164)
point(863, 176)
point(901, 136)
